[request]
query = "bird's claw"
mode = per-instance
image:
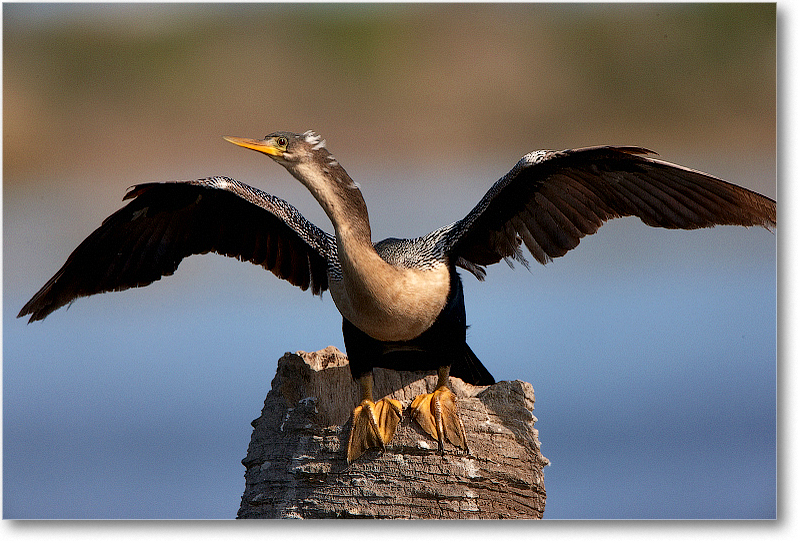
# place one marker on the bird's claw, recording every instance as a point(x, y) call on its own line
point(436, 414)
point(374, 425)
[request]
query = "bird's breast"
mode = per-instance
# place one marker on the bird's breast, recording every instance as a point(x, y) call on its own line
point(391, 303)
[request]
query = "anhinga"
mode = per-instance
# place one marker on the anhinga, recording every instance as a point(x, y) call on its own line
point(401, 299)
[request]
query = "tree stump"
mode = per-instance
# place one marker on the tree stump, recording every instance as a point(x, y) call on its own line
point(296, 466)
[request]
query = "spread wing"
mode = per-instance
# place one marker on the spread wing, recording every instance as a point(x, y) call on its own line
point(166, 222)
point(551, 199)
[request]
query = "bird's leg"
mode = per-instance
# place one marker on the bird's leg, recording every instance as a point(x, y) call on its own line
point(436, 413)
point(373, 423)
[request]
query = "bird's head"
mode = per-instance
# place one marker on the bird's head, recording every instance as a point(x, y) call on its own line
point(305, 157)
point(287, 148)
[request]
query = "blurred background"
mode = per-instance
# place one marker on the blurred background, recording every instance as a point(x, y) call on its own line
point(652, 352)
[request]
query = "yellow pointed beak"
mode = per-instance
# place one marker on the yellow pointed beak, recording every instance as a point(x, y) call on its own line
point(262, 146)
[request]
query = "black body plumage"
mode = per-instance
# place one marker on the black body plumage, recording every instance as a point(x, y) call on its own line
point(443, 344)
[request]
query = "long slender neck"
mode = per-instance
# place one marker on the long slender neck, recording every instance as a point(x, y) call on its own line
point(387, 302)
point(340, 198)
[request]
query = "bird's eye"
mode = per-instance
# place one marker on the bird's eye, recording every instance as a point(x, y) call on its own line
point(282, 141)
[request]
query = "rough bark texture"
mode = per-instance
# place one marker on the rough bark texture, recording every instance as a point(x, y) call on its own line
point(296, 465)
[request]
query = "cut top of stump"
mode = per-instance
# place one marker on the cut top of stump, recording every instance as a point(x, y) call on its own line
point(296, 465)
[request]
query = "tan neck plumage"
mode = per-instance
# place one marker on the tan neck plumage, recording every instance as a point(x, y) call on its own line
point(386, 302)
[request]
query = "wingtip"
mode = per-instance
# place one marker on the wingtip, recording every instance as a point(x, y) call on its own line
point(25, 311)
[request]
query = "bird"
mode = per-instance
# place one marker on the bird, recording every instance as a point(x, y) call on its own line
point(401, 300)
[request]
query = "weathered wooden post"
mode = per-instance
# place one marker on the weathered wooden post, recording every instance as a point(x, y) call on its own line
point(296, 465)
